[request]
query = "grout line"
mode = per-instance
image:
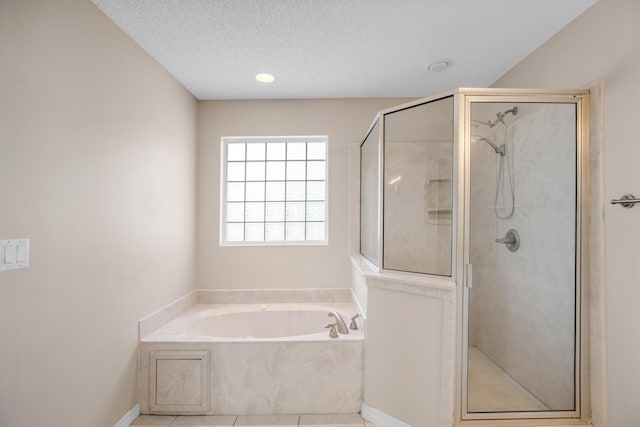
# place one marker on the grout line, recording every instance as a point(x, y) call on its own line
point(298, 423)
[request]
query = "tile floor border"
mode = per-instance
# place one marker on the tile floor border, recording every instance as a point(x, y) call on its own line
point(301, 420)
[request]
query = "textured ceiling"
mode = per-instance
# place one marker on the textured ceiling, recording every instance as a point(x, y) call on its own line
point(338, 48)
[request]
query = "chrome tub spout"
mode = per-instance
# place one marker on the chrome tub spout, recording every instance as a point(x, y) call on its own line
point(342, 327)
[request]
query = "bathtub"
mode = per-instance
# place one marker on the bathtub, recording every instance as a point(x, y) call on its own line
point(248, 359)
point(255, 322)
point(263, 322)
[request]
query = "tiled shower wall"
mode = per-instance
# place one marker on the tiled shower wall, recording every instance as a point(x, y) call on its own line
point(522, 307)
point(418, 207)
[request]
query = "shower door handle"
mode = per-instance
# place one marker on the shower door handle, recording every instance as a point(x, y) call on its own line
point(468, 276)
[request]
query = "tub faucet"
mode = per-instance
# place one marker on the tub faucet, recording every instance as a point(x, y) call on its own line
point(342, 327)
point(354, 325)
point(332, 330)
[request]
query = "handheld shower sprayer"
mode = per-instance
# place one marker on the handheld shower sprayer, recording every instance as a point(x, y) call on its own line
point(501, 150)
point(504, 175)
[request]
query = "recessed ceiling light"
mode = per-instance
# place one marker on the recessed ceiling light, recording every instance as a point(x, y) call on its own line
point(441, 65)
point(265, 77)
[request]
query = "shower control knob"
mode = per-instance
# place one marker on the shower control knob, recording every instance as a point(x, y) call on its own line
point(511, 240)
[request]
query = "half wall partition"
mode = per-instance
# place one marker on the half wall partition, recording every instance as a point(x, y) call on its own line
point(485, 187)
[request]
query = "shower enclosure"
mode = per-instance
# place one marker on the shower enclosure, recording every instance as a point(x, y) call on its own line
point(484, 187)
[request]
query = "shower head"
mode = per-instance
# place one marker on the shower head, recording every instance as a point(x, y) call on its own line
point(499, 150)
point(500, 116)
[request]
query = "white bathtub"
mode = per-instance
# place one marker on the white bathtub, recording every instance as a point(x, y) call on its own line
point(265, 322)
point(256, 322)
point(245, 359)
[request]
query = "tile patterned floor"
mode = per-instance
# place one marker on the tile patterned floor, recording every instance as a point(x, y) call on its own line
point(338, 420)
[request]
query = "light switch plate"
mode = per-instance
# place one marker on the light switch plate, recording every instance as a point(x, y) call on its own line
point(14, 254)
point(10, 254)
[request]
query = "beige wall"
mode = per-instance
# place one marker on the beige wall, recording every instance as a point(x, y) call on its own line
point(605, 41)
point(97, 153)
point(263, 267)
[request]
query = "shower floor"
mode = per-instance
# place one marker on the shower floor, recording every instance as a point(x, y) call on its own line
point(491, 389)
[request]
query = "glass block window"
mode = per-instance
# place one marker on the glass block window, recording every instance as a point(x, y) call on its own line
point(274, 190)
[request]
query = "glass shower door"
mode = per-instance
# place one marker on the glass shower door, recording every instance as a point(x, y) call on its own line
point(522, 315)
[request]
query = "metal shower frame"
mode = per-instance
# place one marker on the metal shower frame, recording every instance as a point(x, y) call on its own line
point(461, 269)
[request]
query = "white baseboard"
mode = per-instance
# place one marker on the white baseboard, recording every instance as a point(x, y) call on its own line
point(129, 417)
point(380, 419)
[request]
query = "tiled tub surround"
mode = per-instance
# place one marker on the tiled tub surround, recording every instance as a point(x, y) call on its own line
point(184, 371)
